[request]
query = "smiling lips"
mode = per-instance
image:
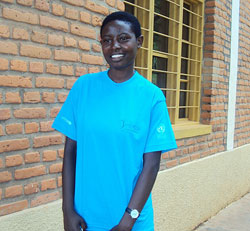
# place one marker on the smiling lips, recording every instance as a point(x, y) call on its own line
point(117, 56)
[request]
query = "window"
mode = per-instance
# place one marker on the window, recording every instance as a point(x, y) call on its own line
point(172, 52)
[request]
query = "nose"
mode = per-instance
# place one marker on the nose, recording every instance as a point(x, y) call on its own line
point(116, 44)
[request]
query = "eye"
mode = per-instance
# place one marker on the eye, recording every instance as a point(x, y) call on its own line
point(124, 38)
point(106, 41)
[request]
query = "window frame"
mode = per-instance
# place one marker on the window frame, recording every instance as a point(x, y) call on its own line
point(145, 12)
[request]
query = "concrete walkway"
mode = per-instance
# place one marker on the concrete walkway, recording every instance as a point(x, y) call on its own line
point(235, 217)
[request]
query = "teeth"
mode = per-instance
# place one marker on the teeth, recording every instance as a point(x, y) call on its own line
point(116, 56)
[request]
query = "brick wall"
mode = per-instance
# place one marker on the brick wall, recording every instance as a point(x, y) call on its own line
point(214, 100)
point(44, 46)
point(242, 123)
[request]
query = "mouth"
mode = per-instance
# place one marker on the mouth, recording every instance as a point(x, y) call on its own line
point(117, 57)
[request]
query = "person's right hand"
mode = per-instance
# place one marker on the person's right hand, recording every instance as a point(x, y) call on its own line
point(72, 221)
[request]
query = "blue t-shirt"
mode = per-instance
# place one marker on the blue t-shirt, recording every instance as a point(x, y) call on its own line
point(114, 124)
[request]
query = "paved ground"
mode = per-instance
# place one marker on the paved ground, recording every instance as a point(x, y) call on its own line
point(235, 217)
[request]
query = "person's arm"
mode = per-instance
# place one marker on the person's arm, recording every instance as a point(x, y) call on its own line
point(144, 185)
point(72, 221)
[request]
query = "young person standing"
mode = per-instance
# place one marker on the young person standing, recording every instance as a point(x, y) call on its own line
point(116, 126)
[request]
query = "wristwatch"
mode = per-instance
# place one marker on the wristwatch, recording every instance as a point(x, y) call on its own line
point(133, 212)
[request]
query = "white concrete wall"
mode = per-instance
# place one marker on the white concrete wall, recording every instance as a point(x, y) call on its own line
point(184, 196)
point(187, 195)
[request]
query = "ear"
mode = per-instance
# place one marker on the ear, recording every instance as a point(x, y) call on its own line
point(139, 41)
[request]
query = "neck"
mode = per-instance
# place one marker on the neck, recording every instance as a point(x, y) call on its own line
point(120, 76)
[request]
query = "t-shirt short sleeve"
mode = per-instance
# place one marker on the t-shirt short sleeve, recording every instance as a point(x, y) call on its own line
point(160, 134)
point(65, 122)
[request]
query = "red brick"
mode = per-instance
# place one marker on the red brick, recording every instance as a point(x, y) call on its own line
point(81, 71)
point(92, 59)
point(171, 163)
point(4, 31)
point(93, 69)
point(55, 168)
point(85, 17)
point(96, 21)
point(70, 83)
point(52, 68)
point(195, 156)
point(13, 145)
point(67, 70)
point(67, 56)
point(84, 45)
point(54, 111)
point(1, 163)
point(70, 42)
point(4, 64)
point(15, 81)
point(30, 113)
point(32, 127)
point(1, 131)
point(59, 181)
point(46, 82)
point(42, 5)
point(1, 193)
point(184, 159)
point(31, 97)
point(74, 2)
point(48, 97)
point(32, 157)
point(82, 31)
point(49, 155)
point(4, 114)
point(111, 2)
point(19, 33)
point(43, 199)
point(39, 37)
point(8, 48)
point(57, 9)
point(35, 51)
point(12, 97)
point(13, 191)
point(20, 16)
point(16, 128)
point(18, 65)
point(55, 40)
point(48, 184)
point(96, 8)
point(25, 2)
point(62, 97)
point(96, 48)
point(61, 153)
point(5, 176)
point(11, 161)
point(9, 1)
point(13, 207)
point(30, 172)
point(31, 188)
point(43, 141)
point(46, 126)
point(71, 14)
point(36, 67)
point(53, 23)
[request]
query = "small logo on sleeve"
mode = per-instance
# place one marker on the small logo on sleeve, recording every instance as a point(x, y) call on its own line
point(161, 128)
point(66, 120)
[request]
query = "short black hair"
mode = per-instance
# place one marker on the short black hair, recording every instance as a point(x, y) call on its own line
point(125, 17)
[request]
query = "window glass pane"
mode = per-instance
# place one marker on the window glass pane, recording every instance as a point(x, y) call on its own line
point(160, 63)
point(160, 43)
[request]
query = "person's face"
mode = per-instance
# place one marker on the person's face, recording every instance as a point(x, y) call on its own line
point(119, 44)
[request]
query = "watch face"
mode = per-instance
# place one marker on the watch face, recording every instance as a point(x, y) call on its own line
point(134, 213)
